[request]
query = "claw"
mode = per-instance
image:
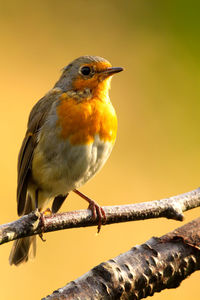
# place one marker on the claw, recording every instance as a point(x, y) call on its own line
point(97, 211)
point(42, 217)
point(41, 236)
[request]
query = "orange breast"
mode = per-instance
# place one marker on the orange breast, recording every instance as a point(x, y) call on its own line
point(81, 121)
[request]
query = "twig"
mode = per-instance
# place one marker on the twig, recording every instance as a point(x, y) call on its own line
point(158, 264)
point(31, 224)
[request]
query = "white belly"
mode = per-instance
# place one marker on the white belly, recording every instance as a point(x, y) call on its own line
point(62, 167)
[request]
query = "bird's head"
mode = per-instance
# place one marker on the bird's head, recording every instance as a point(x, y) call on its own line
point(88, 73)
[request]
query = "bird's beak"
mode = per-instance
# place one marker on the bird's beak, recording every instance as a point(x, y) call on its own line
point(111, 71)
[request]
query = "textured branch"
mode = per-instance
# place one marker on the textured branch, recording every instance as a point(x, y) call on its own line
point(171, 208)
point(158, 264)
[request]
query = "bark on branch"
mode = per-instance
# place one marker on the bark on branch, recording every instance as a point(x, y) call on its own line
point(158, 264)
point(31, 224)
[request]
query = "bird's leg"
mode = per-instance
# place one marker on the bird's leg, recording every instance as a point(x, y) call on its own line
point(41, 214)
point(97, 211)
point(47, 211)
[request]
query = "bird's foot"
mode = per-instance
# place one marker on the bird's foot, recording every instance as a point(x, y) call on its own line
point(42, 218)
point(41, 236)
point(97, 211)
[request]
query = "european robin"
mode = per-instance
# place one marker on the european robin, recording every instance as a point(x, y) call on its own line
point(70, 134)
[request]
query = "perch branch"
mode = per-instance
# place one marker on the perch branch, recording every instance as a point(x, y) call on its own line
point(31, 224)
point(158, 264)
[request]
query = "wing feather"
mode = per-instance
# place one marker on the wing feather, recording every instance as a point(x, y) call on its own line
point(36, 120)
point(25, 160)
point(57, 203)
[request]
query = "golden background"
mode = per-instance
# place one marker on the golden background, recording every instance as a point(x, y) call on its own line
point(157, 101)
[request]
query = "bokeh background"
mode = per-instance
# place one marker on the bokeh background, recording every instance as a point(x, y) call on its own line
point(157, 101)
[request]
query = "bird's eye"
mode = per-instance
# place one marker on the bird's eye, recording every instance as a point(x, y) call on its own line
point(85, 70)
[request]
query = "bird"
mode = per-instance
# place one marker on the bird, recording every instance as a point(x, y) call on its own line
point(70, 134)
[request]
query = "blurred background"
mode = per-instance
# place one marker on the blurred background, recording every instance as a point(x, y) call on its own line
point(157, 101)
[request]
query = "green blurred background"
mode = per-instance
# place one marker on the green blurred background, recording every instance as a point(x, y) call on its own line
point(157, 101)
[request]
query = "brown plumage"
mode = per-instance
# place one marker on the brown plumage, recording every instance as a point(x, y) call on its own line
point(35, 122)
point(21, 248)
point(70, 135)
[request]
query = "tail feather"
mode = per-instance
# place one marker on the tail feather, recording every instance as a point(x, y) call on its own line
point(24, 248)
point(21, 250)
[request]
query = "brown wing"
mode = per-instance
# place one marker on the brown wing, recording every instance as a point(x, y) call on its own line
point(36, 120)
point(25, 159)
